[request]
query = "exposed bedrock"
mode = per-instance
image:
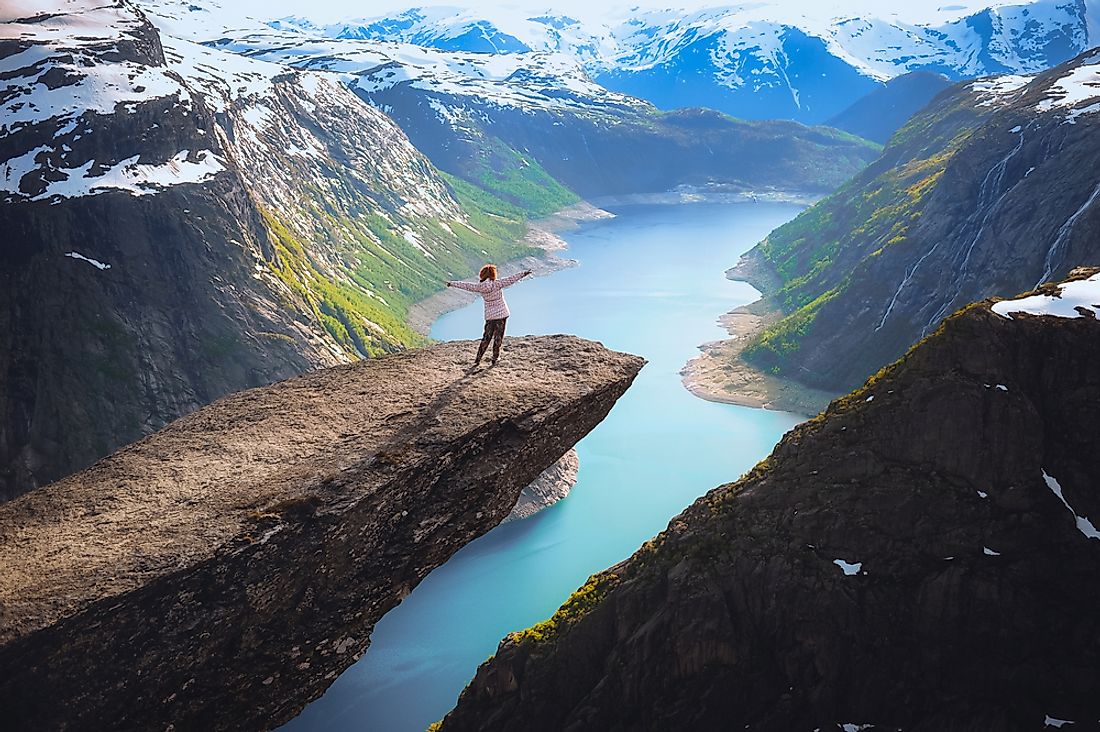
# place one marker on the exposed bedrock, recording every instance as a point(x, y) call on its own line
point(923, 556)
point(550, 487)
point(220, 573)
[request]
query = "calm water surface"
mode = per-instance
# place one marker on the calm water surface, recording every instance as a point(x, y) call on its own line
point(649, 282)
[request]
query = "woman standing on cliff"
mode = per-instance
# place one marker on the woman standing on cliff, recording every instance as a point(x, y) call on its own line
point(496, 310)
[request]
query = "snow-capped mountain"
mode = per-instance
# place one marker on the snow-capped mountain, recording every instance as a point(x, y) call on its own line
point(533, 80)
point(181, 222)
point(759, 60)
point(495, 118)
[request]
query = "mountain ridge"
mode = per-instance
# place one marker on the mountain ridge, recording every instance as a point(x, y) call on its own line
point(504, 122)
point(752, 61)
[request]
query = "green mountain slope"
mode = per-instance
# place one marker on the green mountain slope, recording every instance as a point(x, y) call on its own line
point(987, 191)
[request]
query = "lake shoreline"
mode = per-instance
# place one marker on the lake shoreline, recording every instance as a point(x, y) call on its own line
point(543, 233)
point(719, 374)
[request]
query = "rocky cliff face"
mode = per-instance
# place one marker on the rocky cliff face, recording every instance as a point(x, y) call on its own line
point(989, 191)
point(180, 223)
point(923, 556)
point(552, 485)
point(221, 572)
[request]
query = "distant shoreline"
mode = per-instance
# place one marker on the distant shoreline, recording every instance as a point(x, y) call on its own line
point(715, 193)
point(718, 374)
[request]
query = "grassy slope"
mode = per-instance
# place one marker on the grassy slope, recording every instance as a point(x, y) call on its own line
point(812, 255)
point(517, 179)
point(363, 304)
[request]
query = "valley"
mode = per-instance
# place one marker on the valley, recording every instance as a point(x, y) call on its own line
point(249, 479)
point(657, 451)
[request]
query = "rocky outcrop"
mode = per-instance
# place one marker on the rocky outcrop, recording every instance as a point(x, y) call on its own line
point(552, 485)
point(995, 184)
point(181, 223)
point(221, 572)
point(923, 556)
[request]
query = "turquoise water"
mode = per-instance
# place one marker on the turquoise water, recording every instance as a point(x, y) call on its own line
point(649, 282)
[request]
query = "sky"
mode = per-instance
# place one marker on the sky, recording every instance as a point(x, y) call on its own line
point(335, 10)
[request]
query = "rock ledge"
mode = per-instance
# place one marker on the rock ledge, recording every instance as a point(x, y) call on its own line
point(221, 572)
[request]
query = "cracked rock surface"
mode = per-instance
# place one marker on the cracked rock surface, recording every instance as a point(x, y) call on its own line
point(220, 573)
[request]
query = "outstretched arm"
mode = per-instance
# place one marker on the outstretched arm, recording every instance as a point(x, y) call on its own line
point(513, 279)
point(469, 286)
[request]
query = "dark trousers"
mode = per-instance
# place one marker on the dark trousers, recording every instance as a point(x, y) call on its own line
point(494, 331)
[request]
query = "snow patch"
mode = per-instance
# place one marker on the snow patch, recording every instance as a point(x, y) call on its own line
point(1083, 524)
point(992, 90)
point(850, 569)
point(1084, 294)
point(134, 178)
point(412, 238)
point(222, 77)
point(1071, 118)
point(94, 262)
point(1079, 85)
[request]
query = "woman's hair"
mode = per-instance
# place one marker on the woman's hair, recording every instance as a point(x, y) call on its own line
point(488, 272)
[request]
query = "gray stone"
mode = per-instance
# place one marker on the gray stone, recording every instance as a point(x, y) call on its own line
point(219, 573)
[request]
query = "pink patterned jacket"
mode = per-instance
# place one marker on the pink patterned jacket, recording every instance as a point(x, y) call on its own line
point(492, 291)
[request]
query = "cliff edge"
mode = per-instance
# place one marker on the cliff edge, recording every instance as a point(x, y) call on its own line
point(924, 556)
point(220, 573)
